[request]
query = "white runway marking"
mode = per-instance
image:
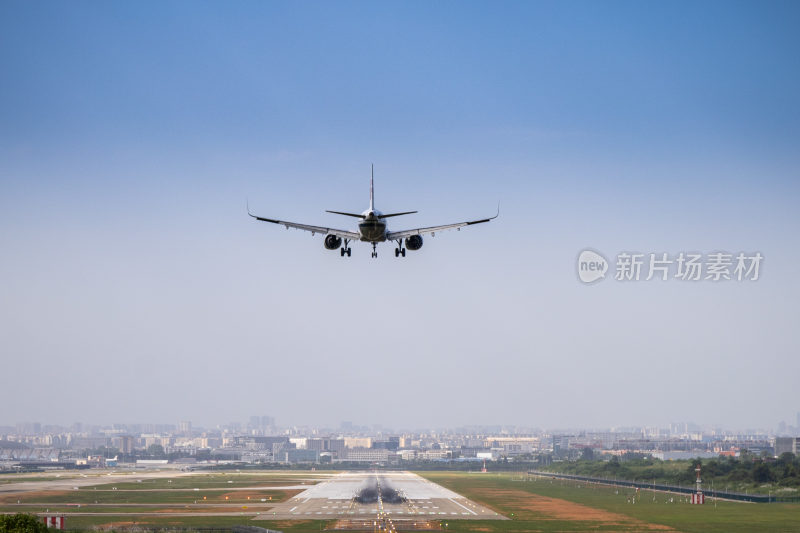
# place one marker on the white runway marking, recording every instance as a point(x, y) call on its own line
point(465, 508)
point(338, 492)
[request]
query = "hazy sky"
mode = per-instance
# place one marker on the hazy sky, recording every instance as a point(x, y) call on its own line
point(135, 287)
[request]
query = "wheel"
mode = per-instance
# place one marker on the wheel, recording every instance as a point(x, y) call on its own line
point(349, 250)
point(396, 252)
point(341, 252)
point(403, 251)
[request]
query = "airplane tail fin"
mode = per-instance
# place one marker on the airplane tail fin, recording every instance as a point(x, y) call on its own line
point(372, 189)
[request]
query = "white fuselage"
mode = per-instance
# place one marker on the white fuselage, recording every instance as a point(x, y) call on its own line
point(372, 228)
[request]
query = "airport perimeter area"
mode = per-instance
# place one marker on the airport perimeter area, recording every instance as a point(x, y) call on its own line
point(306, 501)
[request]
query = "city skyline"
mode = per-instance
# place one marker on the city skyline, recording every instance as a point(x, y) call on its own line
point(266, 424)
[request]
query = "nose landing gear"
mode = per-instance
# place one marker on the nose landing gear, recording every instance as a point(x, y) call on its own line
point(374, 251)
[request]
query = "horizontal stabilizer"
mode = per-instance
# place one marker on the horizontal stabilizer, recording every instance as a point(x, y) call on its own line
point(345, 214)
point(396, 214)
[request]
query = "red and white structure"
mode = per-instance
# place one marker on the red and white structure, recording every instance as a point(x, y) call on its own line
point(54, 521)
point(698, 498)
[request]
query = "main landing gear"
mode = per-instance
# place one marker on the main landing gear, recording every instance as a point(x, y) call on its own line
point(400, 250)
point(345, 249)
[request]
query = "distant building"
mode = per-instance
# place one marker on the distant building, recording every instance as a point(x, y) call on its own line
point(358, 442)
point(336, 447)
point(391, 444)
point(151, 463)
point(685, 455)
point(561, 443)
point(261, 424)
point(299, 442)
point(298, 456)
point(786, 444)
point(185, 428)
point(433, 455)
point(126, 444)
point(366, 455)
point(259, 443)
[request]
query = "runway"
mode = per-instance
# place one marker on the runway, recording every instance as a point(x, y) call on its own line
point(334, 498)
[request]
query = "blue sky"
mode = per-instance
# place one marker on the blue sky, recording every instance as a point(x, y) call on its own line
point(131, 135)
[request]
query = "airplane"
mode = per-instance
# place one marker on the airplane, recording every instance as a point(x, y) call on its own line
point(372, 228)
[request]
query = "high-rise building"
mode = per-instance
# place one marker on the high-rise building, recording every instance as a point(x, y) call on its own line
point(786, 444)
point(185, 428)
point(261, 424)
point(126, 444)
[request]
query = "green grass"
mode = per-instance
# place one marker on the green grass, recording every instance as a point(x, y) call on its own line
point(729, 474)
point(88, 522)
point(725, 517)
point(88, 496)
point(111, 510)
point(208, 481)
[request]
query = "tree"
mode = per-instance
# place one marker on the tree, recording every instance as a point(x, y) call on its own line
point(763, 474)
point(156, 450)
point(21, 523)
point(786, 458)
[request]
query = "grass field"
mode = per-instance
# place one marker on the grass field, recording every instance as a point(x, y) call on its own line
point(88, 496)
point(113, 522)
point(535, 504)
point(553, 505)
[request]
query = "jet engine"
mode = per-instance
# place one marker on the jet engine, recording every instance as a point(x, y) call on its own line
point(414, 242)
point(332, 242)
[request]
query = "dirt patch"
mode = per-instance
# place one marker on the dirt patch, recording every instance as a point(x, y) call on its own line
point(201, 510)
point(546, 508)
point(31, 496)
point(288, 523)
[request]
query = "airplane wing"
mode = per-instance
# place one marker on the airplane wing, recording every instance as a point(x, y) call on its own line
point(313, 229)
point(395, 235)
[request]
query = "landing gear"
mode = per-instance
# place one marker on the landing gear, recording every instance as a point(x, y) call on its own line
point(345, 249)
point(400, 250)
point(374, 251)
